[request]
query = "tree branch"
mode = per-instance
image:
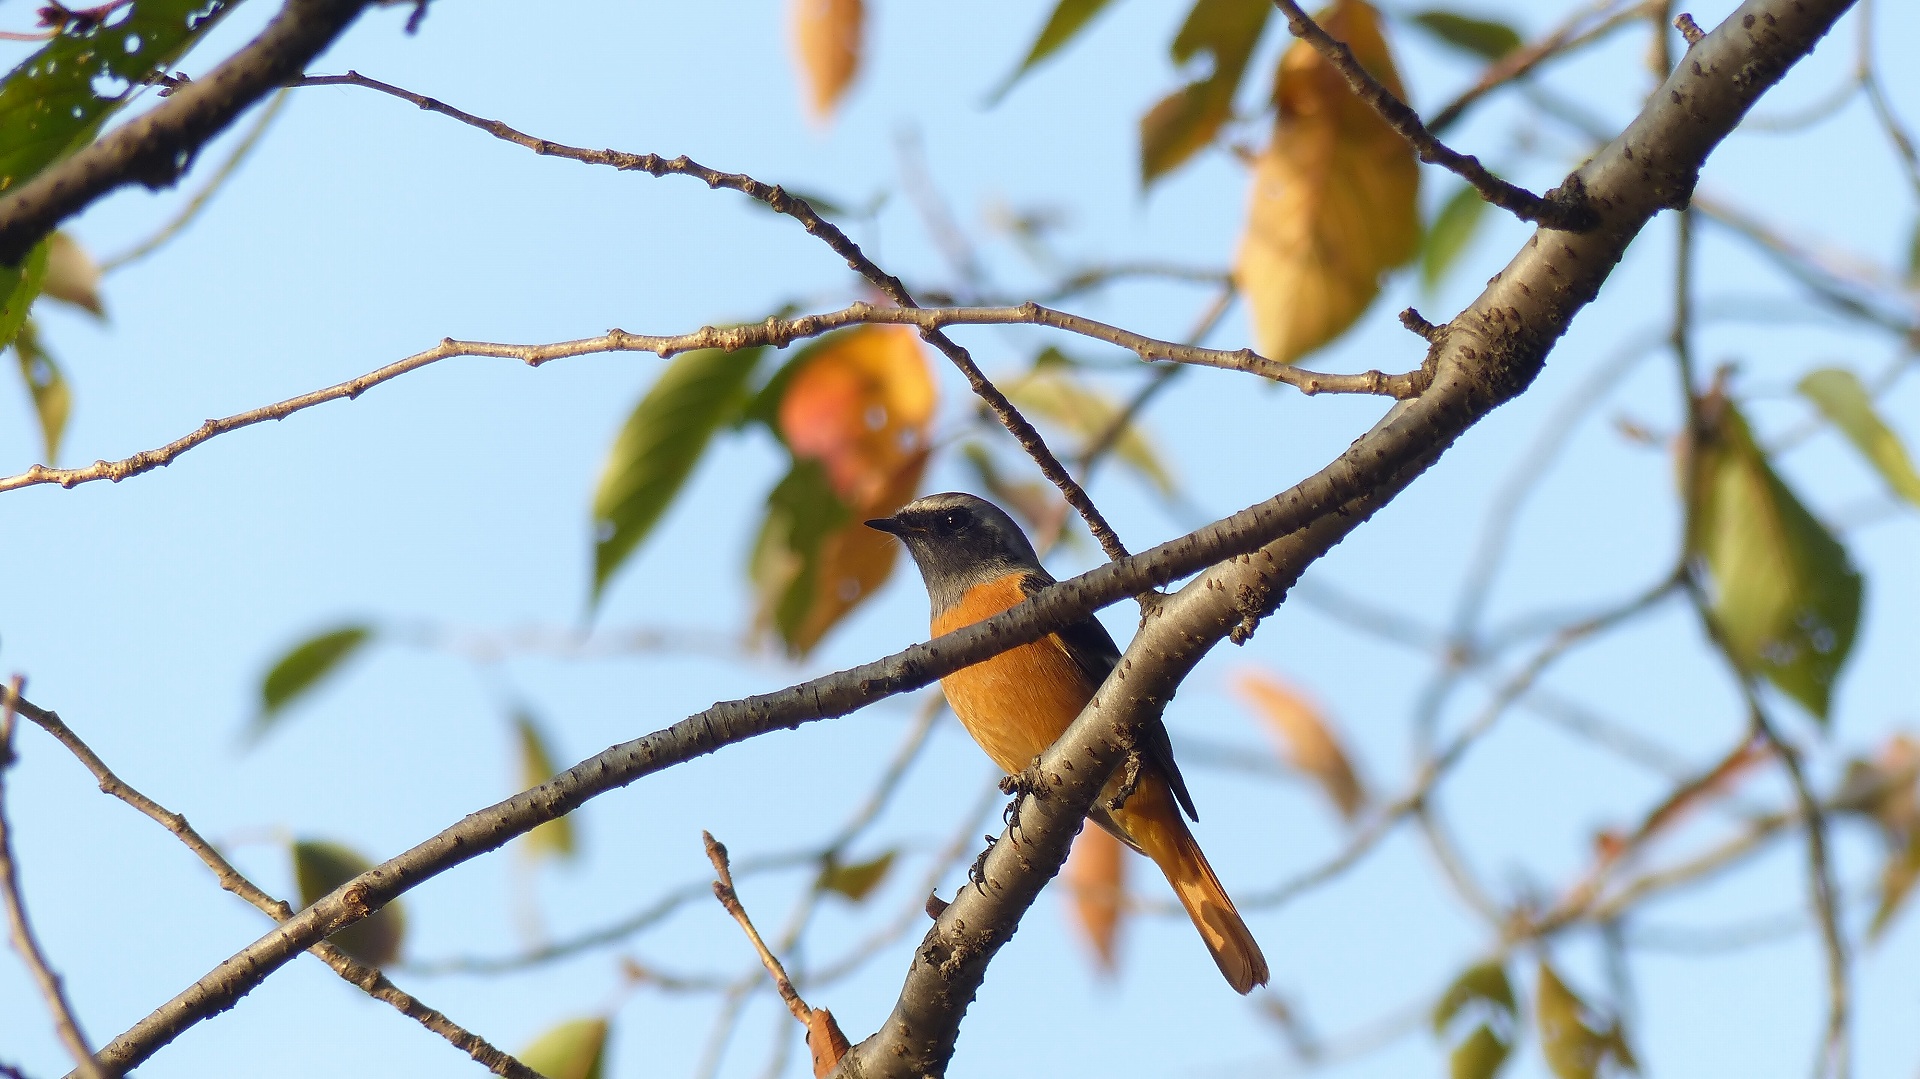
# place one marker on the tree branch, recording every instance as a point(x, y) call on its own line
point(157, 148)
point(1486, 355)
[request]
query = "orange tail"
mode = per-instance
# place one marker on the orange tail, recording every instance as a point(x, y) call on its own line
point(1164, 837)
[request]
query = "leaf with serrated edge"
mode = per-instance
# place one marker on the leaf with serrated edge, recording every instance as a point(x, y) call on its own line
point(555, 837)
point(1488, 39)
point(1068, 19)
point(1306, 739)
point(319, 867)
point(1841, 398)
point(46, 385)
point(1334, 200)
point(575, 1049)
point(1786, 597)
point(658, 447)
point(1452, 230)
point(303, 667)
point(856, 881)
point(826, 46)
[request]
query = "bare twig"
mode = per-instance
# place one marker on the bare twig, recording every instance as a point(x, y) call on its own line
point(823, 1033)
point(1522, 62)
point(20, 930)
point(1564, 208)
point(369, 979)
point(797, 208)
point(778, 332)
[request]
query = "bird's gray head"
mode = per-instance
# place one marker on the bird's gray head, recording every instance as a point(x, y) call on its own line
point(959, 540)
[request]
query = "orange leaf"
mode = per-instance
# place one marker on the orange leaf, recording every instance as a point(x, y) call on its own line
point(1306, 738)
point(1334, 202)
point(826, 43)
point(1097, 881)
point(861, 407)
point(825, 1041)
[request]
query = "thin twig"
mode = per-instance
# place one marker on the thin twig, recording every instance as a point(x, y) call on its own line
point(368, 979)
point(1565, 208)
point(19, 928)
point(823, 1033)
point(1521, 62)
point(797, 208)
point(777, 332)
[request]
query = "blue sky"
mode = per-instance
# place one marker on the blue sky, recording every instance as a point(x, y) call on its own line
point(364, 230)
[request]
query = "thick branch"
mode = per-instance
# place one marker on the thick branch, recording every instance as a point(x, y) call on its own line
point(156, 148)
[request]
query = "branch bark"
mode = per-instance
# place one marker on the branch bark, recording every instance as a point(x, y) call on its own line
point(1484, 357)
point(156, 148)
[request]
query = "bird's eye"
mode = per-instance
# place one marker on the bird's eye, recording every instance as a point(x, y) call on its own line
point(952, 521)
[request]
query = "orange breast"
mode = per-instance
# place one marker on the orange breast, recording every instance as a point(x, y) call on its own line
point(1017, 703)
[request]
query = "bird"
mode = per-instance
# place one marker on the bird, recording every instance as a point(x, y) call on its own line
point(976, 563)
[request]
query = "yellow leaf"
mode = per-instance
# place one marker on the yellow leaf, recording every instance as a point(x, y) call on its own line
point(573, 1050)
point(856, 881)
point(1334, 201)
point(1306, 737)
point(72, 276)
point(826, 43)
point(1096, 876)
point(1574, 1042)
point(1053, 394)
point(555, 837)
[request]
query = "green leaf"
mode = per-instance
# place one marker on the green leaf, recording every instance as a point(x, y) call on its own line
point(802, 510)
point(856, 881)
point(1787, 599)
point(320, 867)
point(1483, 982)
point(1480, 1056)
point(572, 1050)
point(658, 447)
point(1841, 398)
point(1452, 230)
point(303, 667)
point(1068, 19)
point(1485, 38)
point(20, 286)
point(1052, 393)
point(52, 398)
point(555, 837)
point(1896, 881)
point(1913, 257)
point(1184, 122)
point(1575, 1046)
point(56, 101)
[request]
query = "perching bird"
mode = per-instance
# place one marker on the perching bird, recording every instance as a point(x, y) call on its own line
point(977, 563)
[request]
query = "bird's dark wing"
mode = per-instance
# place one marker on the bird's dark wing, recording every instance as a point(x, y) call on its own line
point(1092, 647)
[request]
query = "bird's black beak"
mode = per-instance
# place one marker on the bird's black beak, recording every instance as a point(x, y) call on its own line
point(893, 526)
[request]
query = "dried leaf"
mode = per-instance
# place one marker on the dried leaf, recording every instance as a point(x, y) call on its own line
point(1068, 19)
point(1841, 398)
point(573, 1050)
point(302, 668)
point(1306, 737)
point(1453, 228)
point(52, 397)
point(1096, 874)
point(1896, 881)
point(658, 447)
point(319, 867)
point(856, 881)
point(1178, 126)
point(826, 44)
point(1787, 598)
point(72, 275)
point(1334, 203)
point(1488, 39)
point(1572, 1039)
point(825, 1042)
point(856, 411)
point(1052, 393)
point(555, 837)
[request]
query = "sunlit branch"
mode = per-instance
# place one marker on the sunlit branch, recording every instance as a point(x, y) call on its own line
point(797, 208)
point(368, 979)
point(778, 332)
